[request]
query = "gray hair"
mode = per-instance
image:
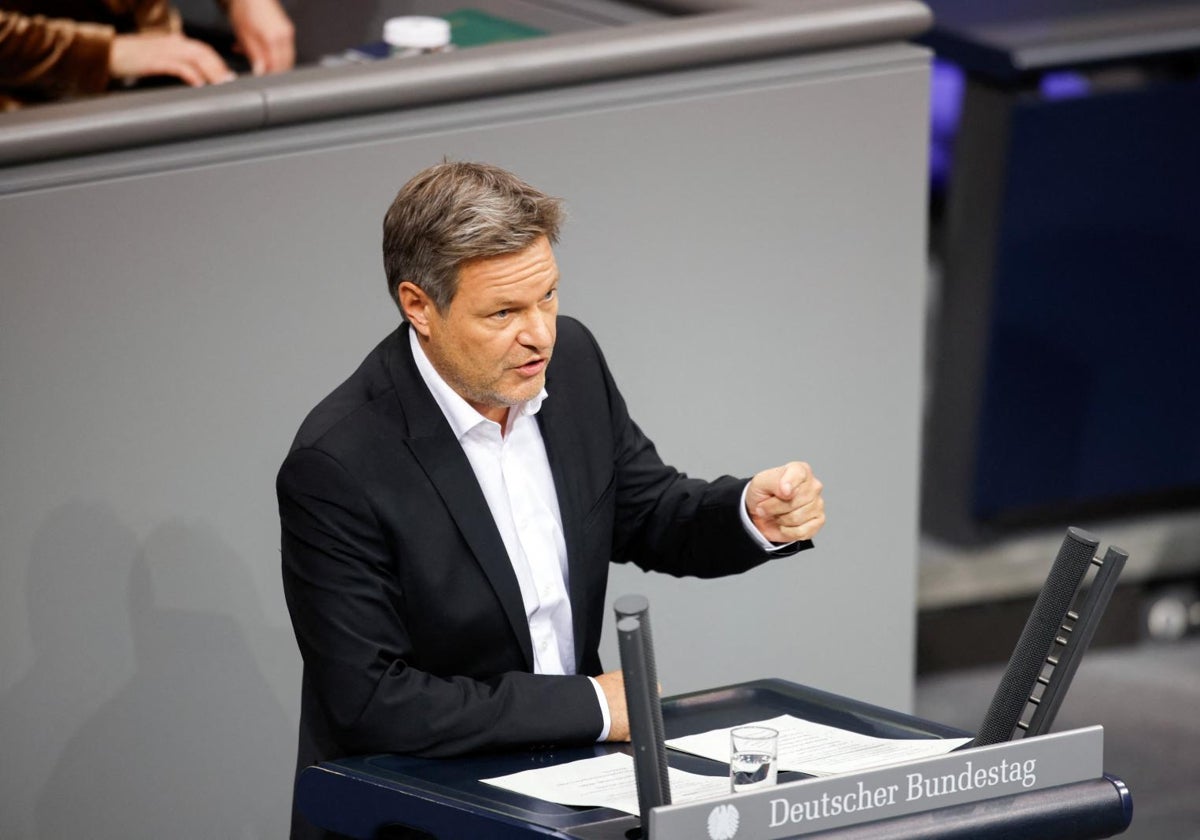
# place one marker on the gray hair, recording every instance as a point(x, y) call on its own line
point(453, 212)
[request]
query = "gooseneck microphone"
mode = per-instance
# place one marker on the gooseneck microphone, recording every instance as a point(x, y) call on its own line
point(1074, 641)
point(1041, 631)
point(643, 703)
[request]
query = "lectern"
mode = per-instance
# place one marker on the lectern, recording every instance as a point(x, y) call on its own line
point(362, 796)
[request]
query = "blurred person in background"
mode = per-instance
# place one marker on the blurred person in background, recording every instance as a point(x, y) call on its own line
point(59, 49)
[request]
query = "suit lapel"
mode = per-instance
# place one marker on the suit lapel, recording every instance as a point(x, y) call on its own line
point(433, 444)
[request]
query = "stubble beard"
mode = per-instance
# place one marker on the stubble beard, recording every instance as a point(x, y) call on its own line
point(489, 396)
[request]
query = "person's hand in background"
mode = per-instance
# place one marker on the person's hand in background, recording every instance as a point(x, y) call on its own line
point(264, 34)
point(166, 54)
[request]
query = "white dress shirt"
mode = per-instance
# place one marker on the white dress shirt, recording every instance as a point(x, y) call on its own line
point(513, 472)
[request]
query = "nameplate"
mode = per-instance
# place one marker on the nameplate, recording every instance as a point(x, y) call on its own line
point(811, 805)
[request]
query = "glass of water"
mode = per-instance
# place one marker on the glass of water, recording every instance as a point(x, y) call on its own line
point(752, 757)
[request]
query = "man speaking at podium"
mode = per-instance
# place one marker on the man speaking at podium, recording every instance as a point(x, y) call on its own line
point(449, 512)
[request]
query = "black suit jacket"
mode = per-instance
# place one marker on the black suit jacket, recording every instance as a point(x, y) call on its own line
point(405, 605)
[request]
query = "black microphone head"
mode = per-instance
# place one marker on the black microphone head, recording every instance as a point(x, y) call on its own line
point(631, 605)
point(1070, 566)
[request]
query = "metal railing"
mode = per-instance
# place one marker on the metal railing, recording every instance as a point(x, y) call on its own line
point(718, 33)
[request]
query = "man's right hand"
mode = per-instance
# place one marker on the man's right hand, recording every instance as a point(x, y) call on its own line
point(613, 685)
point(154, 54)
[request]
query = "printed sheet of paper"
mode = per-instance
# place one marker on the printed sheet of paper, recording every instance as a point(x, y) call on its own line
point(606, 781)
point(820, 750)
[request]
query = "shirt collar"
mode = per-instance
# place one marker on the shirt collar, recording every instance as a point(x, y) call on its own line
point(458, 412)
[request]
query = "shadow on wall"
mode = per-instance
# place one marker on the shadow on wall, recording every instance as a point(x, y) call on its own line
point(180, 735)
point(82, 646)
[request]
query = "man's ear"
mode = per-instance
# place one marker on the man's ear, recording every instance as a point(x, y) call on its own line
point(417, 306)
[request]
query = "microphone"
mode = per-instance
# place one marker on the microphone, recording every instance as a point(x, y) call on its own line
point(643, 703)
point(1074, 642)
point(1041, 630)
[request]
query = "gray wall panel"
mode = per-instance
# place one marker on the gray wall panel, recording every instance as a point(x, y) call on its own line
point(750, 257)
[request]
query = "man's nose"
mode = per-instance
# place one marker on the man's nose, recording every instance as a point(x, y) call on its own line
point(538, 330)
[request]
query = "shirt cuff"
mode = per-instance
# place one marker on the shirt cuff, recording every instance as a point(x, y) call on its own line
point(603, 709)
point(756, 535)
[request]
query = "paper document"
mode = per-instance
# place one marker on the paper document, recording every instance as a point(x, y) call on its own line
point(606, 781)
point(820, 750)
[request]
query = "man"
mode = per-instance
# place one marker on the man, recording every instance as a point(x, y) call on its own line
point(450, 511)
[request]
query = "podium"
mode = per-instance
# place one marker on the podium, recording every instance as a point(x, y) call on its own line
point(360, 797)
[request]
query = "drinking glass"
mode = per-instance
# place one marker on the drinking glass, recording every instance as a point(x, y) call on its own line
point(752, 757)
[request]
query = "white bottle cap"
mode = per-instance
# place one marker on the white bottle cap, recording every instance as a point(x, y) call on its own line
point(415, 32)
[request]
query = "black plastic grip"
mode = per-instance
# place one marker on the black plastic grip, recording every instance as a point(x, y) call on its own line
point(1041, 628)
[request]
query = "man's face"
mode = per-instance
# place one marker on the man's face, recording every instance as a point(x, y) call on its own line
point(494, 341)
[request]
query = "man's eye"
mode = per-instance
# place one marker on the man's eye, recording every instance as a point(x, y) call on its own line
point(550, 294)
point(501, 315)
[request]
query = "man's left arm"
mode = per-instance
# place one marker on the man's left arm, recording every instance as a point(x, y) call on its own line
point(656, 517)
point(668, 522)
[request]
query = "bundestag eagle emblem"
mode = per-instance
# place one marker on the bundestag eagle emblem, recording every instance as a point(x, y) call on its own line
point(723, 822)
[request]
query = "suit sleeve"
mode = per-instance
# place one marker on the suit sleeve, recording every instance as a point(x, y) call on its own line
point(347, 610)
point(667, 522)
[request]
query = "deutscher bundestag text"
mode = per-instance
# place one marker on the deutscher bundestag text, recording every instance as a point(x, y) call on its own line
point(918, 786)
